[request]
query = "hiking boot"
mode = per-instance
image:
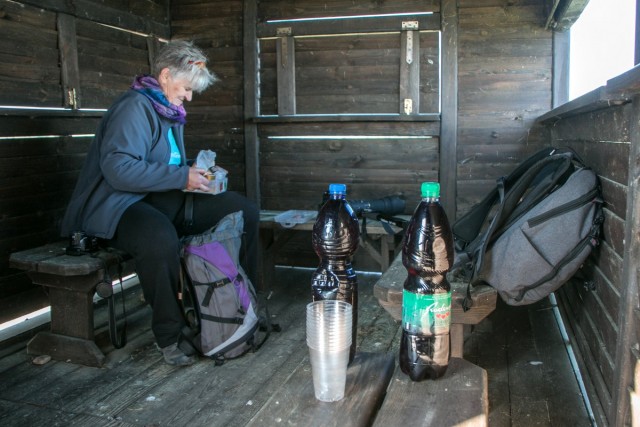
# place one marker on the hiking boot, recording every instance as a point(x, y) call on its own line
point(174, 356)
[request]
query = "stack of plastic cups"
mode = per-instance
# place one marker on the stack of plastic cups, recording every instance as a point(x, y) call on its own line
point(329, 338)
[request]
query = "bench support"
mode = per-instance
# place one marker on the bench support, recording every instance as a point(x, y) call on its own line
point(72, 329)
point(71, 283)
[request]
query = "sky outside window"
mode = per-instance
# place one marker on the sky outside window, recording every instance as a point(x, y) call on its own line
point(602, 44)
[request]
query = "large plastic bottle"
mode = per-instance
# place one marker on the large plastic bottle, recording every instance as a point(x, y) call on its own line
point(427, 254)
point(335, 239)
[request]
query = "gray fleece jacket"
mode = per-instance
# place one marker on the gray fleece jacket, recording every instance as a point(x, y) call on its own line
point(127, 159)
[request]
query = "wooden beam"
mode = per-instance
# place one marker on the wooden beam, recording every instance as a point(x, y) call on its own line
point(250, 100)
point(68, 47)
point(286, 74)
point(354, 25)
point(309, 118)
point(565, 13)
point(449, 113)
point(629, 303)
point(410, 72)
point(560, 88)
point(152, 51)
point(104, 14)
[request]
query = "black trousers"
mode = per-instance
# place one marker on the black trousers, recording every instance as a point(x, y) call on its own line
point(150, 231)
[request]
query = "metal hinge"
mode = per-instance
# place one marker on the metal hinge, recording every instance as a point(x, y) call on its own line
point(72, 99)
point(408, 105)
point(409, 25)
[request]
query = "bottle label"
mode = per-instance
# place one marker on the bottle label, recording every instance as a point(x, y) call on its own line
point(426, 314)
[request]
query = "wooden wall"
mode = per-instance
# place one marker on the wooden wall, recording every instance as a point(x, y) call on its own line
point(53, 55)
point(504, 84)
point(601, 304)
point(215, 117)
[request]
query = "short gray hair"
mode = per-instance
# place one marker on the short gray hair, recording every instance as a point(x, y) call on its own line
point(185, 60)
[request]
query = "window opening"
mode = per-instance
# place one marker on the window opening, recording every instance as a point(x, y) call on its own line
point(602, 44)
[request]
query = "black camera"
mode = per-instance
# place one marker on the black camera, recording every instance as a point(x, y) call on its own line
point(389, 205)
point(80, 243)
point(386, 206)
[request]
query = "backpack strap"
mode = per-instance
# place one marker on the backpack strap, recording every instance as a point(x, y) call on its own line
point(105, 290)
point(467, 228)
point(188, 210)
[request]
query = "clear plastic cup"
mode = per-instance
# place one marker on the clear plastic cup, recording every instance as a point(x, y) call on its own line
point(329, 340)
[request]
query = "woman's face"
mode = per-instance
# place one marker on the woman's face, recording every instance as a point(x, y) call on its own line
point(176, 90)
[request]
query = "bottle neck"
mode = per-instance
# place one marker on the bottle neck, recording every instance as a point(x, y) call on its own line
point(337, 196)
point(431, 199)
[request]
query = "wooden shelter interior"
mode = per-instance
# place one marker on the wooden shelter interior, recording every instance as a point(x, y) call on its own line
point(380, 95)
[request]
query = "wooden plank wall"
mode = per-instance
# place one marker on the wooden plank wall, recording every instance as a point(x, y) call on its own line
point(295, 172)
point(602, 138)
point(350, 74)
point(48, 47)
point(504, 78)
point(215, 117)
point(350, 69)
point(504, 84)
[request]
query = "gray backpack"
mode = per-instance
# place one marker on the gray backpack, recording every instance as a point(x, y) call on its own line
point(220, 303)
point(532, 232)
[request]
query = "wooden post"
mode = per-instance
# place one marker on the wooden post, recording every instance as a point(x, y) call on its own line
point(68, 47)
point(628, 317)
point(251, 143)
point(286, 71)
point(560, 89)
point(152, 50)
point(449, 113)
point(410, 69)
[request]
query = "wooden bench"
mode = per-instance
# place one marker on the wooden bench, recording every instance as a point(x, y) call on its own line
point(460, 397)
point(377, 393)
point(379, 242)
point(389, 288)
point(294, 402)
point(71, 284)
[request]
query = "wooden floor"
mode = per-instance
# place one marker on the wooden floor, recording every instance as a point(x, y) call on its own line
point(530, 379)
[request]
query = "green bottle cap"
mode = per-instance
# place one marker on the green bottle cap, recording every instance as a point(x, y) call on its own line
point(430, 190)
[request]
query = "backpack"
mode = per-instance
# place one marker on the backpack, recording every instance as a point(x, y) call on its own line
point(534, 230)
point(225, 318)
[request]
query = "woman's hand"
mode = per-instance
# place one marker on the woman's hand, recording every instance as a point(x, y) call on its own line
point(197, 180)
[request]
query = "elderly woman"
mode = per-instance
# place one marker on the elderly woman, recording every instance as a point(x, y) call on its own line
point(130, 191)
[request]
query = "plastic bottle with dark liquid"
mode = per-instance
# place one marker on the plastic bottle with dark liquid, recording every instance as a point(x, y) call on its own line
point(427, 254)
point(335, 239)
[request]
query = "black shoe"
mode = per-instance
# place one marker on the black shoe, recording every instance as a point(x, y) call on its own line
point(174, 356)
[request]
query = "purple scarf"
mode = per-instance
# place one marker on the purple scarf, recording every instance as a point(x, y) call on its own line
point(149, 87)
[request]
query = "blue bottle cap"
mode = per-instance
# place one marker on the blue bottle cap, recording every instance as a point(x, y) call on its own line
point(430, 190)
point(337, 189)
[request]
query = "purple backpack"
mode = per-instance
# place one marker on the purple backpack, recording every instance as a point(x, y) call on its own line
point(219, 300)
